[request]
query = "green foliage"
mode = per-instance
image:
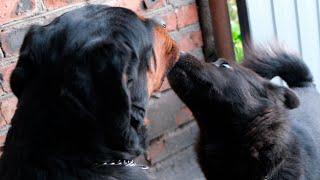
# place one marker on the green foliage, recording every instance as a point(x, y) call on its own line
point(235, 28)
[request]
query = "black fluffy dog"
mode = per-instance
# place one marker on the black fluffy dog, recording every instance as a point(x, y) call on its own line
point(250, 128)
point(83, 83)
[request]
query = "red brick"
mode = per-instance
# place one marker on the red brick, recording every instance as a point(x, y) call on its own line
point(171, 21)
point(184, 116)
point(156, 149)
point(162, 113)
point(190, 41)
point(154, 4)
point(187, 15)
point(134, 5)
point(11, 41)
point(7, 109)
point(52, 4)
point(6, 72)
point(2, 122)
point(165, 85)
point(198, 53)
point(7, 10)
point(172, 142)
point(12, 9)
point(178, 3)
point(2, 140)
point(180, 166)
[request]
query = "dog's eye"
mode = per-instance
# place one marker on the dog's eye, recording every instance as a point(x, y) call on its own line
point(225, 65)
point(164, 25)
point(222, 63)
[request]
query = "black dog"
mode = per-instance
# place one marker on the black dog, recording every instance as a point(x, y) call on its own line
point(250, 128)
point(83, 84)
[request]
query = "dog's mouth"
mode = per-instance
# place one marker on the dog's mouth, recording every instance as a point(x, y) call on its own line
point(177, 74)
point(185, 75)
point(178, 71)
point(181, 80)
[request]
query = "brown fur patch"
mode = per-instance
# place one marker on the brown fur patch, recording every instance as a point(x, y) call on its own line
point(166, 53)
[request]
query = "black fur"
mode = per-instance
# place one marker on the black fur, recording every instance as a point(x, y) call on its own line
point(82, 94)
point(277, 62)
point(251, 129)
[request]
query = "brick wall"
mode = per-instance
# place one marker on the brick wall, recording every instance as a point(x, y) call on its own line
point(172, 129)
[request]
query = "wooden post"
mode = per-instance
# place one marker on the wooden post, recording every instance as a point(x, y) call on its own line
point(244, 24)
point(222, 28)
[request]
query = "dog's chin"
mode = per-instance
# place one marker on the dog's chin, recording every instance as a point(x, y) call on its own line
point(182, 75)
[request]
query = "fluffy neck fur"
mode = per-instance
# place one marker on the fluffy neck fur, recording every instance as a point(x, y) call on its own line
point(257, 151)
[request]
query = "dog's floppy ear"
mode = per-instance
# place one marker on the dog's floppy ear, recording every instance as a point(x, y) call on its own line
point(21, 74)
point(25, 67)
point(109, 62)
point(96, 82)
point(287, 96)
point(291, 99)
